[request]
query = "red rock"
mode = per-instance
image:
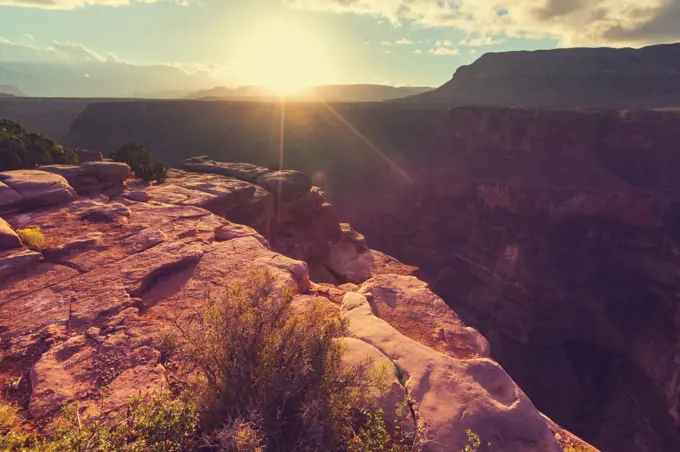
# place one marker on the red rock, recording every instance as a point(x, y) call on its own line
point(37, 188)
point(415, 311)
point(286, 185)
point(479, 395)
point(349, 257)
point(85, 156)
point(16, 261)
point(8, 197)
point(8, 238)
point(244, 171)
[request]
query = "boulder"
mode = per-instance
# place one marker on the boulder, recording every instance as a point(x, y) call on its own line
point(85, 156)
point(415, 311)
point(37, 188)
point(349, 257)
point(108, 170)
point(8, 238)
point(453, 395)
point(244, 171)
point(286, 185)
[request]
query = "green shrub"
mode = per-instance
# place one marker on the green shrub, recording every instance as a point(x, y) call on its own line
point(8, 417)
point(270, 380)
point(33, 238)
point(23, 150)
point(278, 372)
point(141, 162)
point(151, 424)
point(374, 436)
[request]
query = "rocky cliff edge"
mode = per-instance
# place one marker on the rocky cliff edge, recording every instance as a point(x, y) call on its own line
point(123, 260)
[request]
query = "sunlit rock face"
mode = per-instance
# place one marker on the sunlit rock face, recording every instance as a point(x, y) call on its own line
point(81, 314)
point(555, 234)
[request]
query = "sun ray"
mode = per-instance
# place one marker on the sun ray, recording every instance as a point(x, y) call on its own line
point(368, 142)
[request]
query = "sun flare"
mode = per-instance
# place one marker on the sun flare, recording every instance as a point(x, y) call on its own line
point(282, 56)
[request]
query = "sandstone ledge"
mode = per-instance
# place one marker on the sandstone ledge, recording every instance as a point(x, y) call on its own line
point(85, 312)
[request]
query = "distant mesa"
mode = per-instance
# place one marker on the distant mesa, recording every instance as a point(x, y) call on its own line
point(648, 77)
point(11, 91)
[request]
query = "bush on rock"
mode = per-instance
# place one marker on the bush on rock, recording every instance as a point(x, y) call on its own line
point(141, 162)
point(20, 149)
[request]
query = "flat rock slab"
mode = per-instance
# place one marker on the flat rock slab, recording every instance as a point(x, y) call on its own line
point(285, 185)
point(244, 171)
point(37, 188)
point(8, 197)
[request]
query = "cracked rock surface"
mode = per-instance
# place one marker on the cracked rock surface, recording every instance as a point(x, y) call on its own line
point(80, 317)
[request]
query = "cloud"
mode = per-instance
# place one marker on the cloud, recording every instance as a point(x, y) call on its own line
point(445, 47)
point(77, 52)
point(417, 51)
point(72, 69)
point(480, 41)
point(570, 22)
point(28, 36)
point(399, 42)
point(72, 4)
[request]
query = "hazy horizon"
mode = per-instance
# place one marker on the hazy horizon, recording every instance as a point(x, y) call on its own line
point(127, 48)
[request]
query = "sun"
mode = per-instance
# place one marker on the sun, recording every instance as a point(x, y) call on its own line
point(282, 56)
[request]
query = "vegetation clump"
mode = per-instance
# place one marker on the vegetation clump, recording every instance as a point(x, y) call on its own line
point(276, 377)
point(269, 379)
point(141, 162)
point(33, 238)
point(154, 424)
point(20, 149)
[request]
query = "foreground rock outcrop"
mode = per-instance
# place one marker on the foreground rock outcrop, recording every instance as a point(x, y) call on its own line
point(80, 317)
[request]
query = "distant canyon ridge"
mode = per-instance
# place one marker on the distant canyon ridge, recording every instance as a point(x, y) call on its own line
point(648, 77)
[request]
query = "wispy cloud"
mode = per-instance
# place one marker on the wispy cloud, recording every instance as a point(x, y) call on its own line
point(417, 51)
point(480, 41)
point(72, 69)
point(571, 22)
point(28, 36)
point(74, 53)
point(445, 47)
point(72, 4)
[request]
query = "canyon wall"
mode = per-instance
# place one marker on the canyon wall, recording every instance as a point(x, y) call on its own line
point(555, 233)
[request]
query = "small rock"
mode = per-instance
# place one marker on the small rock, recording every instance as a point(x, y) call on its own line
point(8, 238)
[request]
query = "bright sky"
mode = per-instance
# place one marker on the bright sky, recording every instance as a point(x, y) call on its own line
point(289, 44)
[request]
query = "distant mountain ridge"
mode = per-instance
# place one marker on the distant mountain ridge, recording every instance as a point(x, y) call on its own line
point(331, 93)
point(648, 77)
point(10, 91)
